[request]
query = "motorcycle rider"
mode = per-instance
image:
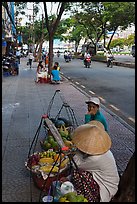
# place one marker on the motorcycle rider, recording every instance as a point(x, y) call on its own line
point(87, 59)
point(109, 57)
point(66, 57)
point(58, 53)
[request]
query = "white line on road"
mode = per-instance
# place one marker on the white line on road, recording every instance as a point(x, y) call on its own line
point(83, 86)
point(102, 99)
point(114, 107)
point(77, 82)
point(91, 92)
point(132, 119)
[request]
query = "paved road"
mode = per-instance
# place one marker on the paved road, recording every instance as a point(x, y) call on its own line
point(115, 87)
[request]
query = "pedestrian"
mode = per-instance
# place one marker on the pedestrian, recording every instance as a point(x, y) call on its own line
point(18, 55)
point(16, 66)
point(94, 112)
point(55, 75)
point(94, 173)
point(30, 58)
point(46, 60)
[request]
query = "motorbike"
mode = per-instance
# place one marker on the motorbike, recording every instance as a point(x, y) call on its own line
point(110, 62)
point(8, 65)
point(87, 62)
point(58, 54)
point(67, 58)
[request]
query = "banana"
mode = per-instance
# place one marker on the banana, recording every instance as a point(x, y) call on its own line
point(46, 160)
point(48, 168)
point(64, 163)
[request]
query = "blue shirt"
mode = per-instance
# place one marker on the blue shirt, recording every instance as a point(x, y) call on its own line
point(99, 117)
point(55, 74)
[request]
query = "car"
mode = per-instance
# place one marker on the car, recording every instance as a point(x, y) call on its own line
point(133, 50)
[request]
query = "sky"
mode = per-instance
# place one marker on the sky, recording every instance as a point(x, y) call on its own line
point(29, 11)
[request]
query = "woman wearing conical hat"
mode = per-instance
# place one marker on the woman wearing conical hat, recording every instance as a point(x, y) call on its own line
point(94, 155)
point(94, 112)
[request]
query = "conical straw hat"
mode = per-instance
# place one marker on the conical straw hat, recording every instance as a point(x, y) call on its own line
point(96, 123)
point(91, 139)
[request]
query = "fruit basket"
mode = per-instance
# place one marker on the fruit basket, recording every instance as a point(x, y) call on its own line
point(46, 167)
point(47, 158)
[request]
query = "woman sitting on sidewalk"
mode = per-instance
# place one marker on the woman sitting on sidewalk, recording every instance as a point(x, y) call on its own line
point(41, 71)
point(94, 170)
point(94, 113)
point(55, 74)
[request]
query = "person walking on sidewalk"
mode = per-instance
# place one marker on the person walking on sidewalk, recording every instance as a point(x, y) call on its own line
point(30, 58)
point(94, 113)
point(18, 55)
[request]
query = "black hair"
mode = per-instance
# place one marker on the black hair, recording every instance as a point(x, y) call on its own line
point(40, 62)
point(56, 63)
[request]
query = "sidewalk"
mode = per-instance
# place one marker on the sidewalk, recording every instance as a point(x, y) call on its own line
point(23, 104)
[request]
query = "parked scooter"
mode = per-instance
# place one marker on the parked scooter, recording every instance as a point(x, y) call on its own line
point(9, 65)
point(6, 66)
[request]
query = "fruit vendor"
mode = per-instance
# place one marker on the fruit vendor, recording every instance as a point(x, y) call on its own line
point(94, 112)
point(96, 163)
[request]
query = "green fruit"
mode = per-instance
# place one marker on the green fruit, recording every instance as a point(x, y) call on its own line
point(80, 198)
point(64, 138)
point(71, 196)
point(85, 200)
point(62, 199)
point(62, 133)
point(51, 140)
point(50, 137)
point(47, 145)
point(54, 144)
point(45, 142)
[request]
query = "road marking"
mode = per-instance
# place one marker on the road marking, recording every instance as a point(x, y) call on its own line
point(83, 86)
point(91, 92)
point(132, 119)
point(68, 77)
point(102, 99)
point(77, 82)
point(114, 107)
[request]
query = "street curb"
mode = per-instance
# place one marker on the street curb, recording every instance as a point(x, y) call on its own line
point(128, 65)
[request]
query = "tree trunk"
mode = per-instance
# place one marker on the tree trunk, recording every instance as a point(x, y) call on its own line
point(39, 51)
point(50, 64)
point(111, 38)
point(126, 190)
point(35, 57)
